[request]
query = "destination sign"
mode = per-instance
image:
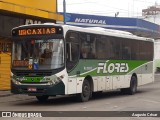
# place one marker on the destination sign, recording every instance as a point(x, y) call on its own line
point(20, 63)
point(37, 31)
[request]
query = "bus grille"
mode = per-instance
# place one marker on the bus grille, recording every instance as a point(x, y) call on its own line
point(32, 73)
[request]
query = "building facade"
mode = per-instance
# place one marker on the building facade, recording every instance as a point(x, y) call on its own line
point(136, 26)
point(152, 14)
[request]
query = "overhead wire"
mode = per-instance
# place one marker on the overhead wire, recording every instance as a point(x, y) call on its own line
point(104, 12)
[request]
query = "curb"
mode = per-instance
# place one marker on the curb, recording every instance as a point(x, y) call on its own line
point(5, 93)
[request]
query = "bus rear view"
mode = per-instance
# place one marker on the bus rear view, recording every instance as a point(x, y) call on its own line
point(37, 56)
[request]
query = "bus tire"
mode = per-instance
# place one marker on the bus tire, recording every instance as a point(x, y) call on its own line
point(42, 98)
point(133, 86)
point(86, 92)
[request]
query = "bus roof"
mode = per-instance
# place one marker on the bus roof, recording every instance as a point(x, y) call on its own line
point(109, 32)
point(94, 30)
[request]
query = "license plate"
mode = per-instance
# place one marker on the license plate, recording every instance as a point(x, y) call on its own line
point(32, 89)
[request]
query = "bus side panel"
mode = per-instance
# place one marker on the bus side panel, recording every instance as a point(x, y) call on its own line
point(122, 81)
point(101, 83)
point(139, 79)
point(147, 76)
point(72, 83)
point(79, 84)
point(116, 82)
point(95, 84)
point(127, 79)
point(109, 83)
point(75, 85)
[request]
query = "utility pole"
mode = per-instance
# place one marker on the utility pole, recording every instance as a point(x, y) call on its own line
point(64, 10)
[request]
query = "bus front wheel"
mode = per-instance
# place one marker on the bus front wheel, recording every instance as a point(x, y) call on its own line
point(43, 98)
point(86, 92)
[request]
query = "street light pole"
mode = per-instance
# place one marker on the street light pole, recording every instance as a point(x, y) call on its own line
point(64, 10)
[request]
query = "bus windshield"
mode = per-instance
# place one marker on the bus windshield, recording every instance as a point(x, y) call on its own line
point(41, 54)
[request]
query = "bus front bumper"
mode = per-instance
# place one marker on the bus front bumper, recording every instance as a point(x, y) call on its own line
point(38, 90)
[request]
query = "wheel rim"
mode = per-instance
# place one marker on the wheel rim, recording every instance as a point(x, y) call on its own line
point(86, 90)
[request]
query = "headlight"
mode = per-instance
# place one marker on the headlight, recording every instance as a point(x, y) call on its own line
point(15, 81)
point(52, 80)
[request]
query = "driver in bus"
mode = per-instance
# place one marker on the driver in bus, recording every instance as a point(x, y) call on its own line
point(46, 55)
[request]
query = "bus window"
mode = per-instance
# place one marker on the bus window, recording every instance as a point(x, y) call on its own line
point(88, 46)
point(17, 52)
point(116, 50)
point(134, 50)
point(146, 50)
point(103, 48)
point(126, 49)
point(72, 50)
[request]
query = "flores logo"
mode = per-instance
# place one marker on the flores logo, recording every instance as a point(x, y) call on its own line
point(117, 67)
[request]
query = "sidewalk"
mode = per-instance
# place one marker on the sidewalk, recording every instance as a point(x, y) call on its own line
point(4, 93)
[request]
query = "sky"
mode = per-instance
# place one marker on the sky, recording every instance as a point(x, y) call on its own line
point(125, 8)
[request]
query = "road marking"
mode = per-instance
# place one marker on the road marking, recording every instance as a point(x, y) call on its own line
point(151, 101)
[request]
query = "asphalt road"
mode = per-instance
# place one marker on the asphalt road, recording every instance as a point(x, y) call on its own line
point(146, 99)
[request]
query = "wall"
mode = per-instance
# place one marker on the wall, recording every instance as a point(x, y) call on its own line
point(40, 8)
point(48, 5)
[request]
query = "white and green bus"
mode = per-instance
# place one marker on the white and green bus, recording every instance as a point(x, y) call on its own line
point(51, 59)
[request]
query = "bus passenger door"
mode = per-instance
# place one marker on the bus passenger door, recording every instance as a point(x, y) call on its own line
point(72, 58)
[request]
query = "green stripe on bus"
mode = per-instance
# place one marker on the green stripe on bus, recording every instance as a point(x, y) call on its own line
point(103, 68)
